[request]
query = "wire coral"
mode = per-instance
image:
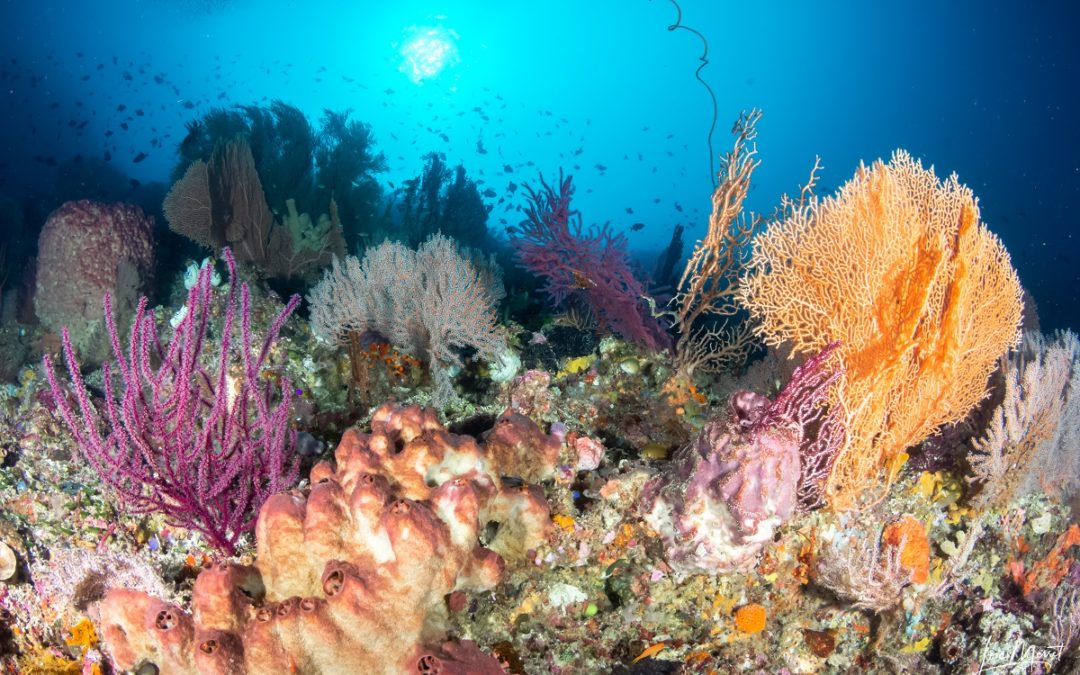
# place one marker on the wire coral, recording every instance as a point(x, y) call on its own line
point(202, 447)
point(921, 296)
point(706, 304)
point(351, 575)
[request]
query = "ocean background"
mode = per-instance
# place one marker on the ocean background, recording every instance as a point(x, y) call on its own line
point(599, 88)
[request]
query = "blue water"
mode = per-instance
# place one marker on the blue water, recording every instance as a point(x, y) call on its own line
point(988, 90)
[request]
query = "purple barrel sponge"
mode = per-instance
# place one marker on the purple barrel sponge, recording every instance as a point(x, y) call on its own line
point(724, 495)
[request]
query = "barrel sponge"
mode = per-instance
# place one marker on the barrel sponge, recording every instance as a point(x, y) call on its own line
point(85, 250)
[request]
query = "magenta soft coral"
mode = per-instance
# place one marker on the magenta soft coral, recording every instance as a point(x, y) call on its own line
point(591, 267)
point(180, 438)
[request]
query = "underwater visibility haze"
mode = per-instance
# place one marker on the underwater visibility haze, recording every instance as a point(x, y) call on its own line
point(609, 336)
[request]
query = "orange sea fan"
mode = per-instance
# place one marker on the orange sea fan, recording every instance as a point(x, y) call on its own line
point(921, 296)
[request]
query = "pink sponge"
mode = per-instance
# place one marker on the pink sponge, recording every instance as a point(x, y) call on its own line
point(725, 495)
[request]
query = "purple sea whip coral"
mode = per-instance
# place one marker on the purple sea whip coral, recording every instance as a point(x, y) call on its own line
point(206, 449)
point(724, 495)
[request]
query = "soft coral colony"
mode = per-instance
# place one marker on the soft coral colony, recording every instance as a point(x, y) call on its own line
point(894, 299)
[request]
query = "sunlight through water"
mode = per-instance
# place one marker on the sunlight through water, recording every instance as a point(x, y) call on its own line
point(427, 51)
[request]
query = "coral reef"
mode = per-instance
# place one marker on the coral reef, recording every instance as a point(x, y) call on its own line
point(617, 508)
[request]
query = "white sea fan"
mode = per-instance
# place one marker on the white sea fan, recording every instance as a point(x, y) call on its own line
point(1031, 440)
point(430, 303)
point(72, 580)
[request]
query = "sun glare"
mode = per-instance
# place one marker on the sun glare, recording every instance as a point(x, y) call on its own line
point(427, 51)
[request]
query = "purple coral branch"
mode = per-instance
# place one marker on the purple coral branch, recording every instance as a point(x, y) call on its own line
point(180, 441)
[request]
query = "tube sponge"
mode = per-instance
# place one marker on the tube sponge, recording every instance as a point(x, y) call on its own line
point(352, 575)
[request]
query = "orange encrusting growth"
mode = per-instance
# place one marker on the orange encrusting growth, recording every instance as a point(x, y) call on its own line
point(921, 296)
point(1047, 573)
point(750, 618)
point(915, 552)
